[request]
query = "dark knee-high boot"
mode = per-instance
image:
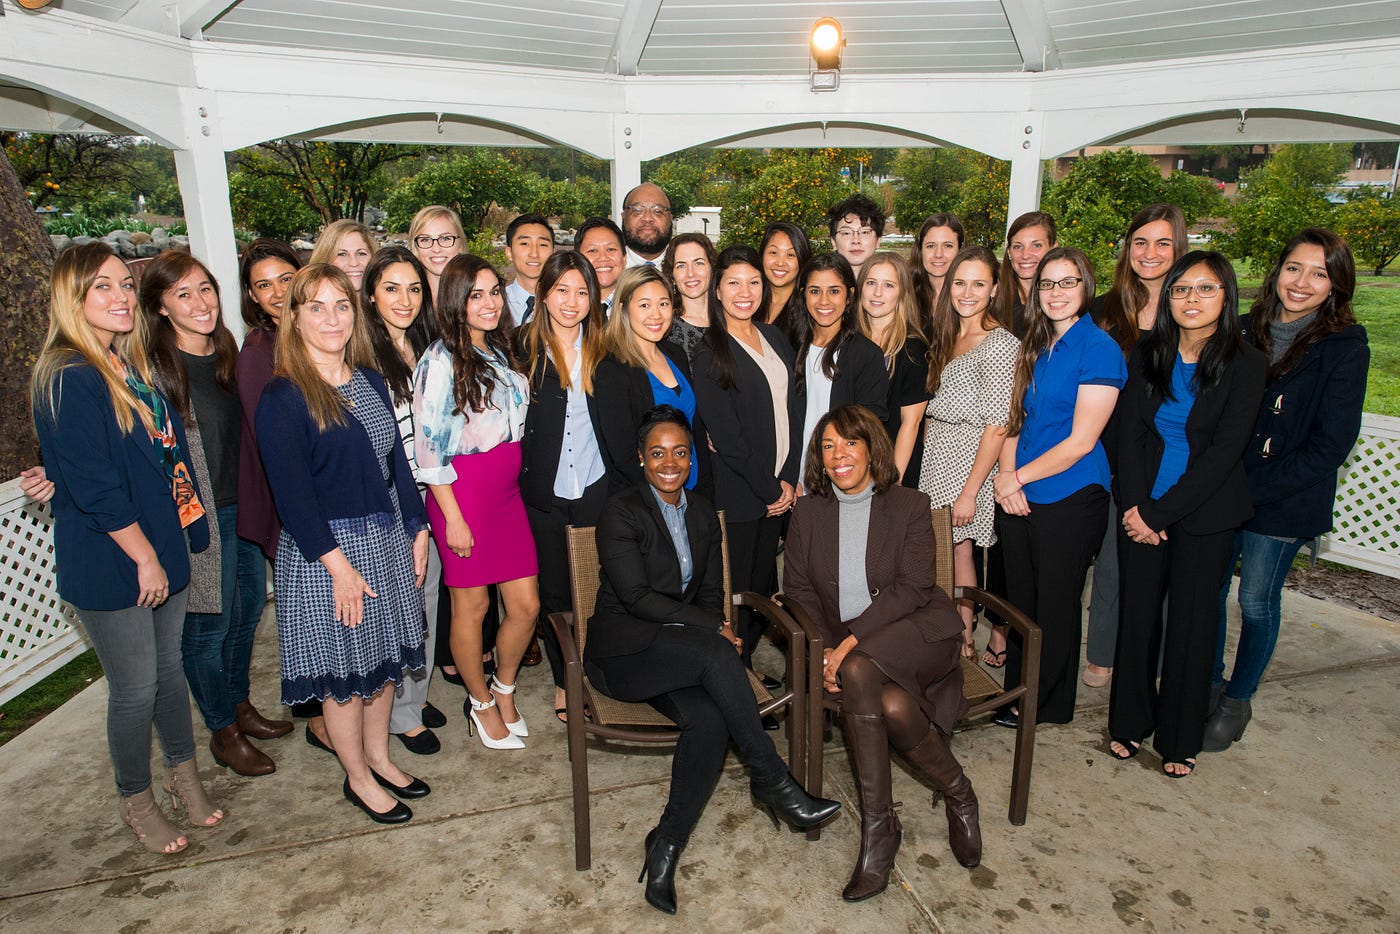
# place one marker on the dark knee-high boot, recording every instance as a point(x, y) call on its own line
point(935, 761)
point(880, 832)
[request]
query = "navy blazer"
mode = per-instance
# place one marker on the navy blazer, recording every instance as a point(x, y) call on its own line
point(739, 421)
point(861, 378)
point(1305, 430)
point(1212, 494)
point(543, 440)
point(319, 477)
point(640, 581)
point(104, 481)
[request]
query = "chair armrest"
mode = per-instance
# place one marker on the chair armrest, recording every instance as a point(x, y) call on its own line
point(775, 614)
point(803, 619)
point(1014, 617)
point(563, 623)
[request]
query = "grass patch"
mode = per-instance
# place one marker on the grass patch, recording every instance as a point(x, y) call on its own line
point(48, 695)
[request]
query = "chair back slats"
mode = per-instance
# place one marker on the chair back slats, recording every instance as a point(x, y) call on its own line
point(943, 537)
point(584, 577)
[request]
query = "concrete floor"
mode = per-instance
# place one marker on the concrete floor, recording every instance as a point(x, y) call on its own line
point(1295, 829)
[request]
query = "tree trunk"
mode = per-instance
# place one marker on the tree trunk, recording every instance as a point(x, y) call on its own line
point(26, 260)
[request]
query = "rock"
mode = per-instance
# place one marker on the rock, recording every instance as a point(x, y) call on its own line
point(159, 233)
point(123, 248)
point(300, 244)
point(60, 242)
point(162, 243)
point(79, 241)
point(147, 249)
point(181, 240)
point(118, 235)
point(140, 237)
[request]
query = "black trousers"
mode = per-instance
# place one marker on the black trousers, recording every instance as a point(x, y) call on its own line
point(993, 580)
point(1047, 555)
point(1187, 569)
point(696, 678)
point(551, 547)
point(753, 566)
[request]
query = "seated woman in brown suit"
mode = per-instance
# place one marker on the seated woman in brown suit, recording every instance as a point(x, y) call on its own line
point(659, 636)
point(860, 559)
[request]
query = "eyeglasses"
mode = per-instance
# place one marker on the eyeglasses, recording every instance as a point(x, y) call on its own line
point(846, 233)
point(1203, 289)
point(1068, 282)
point(642, 210)
point(446, 241)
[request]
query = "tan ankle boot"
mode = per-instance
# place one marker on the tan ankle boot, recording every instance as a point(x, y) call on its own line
point(186, 790)
point(152, 828)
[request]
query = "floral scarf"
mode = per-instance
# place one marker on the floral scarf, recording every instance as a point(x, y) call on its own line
point(166, 445)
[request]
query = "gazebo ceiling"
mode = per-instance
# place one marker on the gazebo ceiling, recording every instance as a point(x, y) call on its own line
point(765, 37)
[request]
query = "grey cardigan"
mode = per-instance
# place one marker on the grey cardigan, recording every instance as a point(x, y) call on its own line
point(206, 567)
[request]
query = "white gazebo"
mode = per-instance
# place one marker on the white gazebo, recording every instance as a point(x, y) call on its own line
point(631, 80)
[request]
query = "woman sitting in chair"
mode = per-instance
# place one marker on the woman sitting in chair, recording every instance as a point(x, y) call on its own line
point(659, 636)
point(860, 560)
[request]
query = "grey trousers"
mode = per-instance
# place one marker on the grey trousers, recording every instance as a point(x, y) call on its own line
point(1103, 600)
point(140, 653)
point(410, 696)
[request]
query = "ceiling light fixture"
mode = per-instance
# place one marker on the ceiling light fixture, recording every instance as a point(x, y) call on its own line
point(826, 44)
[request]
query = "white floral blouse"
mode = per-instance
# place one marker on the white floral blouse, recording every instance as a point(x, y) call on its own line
point(444, 433)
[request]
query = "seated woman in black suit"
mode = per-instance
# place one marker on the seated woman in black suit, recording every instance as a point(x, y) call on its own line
point(658, 635)
point(860, 559)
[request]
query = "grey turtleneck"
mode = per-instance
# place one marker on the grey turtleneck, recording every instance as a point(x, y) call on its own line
point(1283, 333)
point(853, 590)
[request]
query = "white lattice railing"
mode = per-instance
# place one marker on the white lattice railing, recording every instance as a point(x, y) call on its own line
point(37, 635)
point(1366, 530)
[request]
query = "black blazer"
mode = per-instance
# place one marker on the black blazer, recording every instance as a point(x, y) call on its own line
point(543, 441)
point(624, 396)
point(640, 582)
point(861, 378)
point(1212, 495)
point(739, 421)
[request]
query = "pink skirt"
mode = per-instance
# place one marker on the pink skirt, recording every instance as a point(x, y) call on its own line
point(487, 490)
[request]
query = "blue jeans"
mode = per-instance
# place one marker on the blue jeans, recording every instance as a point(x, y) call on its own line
point(1264, 564)
point(203, 644)
point(252, 600)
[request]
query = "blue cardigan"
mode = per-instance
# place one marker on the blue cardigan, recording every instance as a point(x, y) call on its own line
point(104, 481)
point(318, 478)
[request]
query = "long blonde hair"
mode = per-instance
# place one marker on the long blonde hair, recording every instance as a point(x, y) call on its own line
point(293, 362)
point(71, 341)
point(336, 231)
point(906, 313)
point(621, 339)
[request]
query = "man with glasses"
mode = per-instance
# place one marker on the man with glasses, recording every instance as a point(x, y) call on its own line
point(646, 224)
point(856, 225)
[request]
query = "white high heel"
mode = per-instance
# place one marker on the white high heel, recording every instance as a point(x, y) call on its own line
point(509, 741)
point(516, 727)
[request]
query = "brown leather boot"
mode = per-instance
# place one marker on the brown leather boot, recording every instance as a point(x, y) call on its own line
point(935, 761)
point(231, 748)
point(254, 724)
point(880, 833)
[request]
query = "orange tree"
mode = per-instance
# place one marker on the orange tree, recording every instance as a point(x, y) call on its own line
point(468, 182)
point(795, 185)
point(1370, 223)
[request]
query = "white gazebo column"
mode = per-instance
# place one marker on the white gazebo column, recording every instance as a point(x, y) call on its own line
point(1026, 174)
point(203, 176)
point(626, 161)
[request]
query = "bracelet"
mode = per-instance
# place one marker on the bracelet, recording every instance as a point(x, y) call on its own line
point(1016, 472)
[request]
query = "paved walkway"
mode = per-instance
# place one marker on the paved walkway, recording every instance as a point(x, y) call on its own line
point(1295, 829)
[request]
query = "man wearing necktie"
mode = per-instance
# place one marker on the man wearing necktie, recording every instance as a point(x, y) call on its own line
point(529, 242)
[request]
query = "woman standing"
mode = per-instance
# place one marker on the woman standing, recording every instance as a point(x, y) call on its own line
point(193, 356)
point(353, 528)
point(123, 501)
point(564, 477)
point(435, 235)
point(1027, 240)
point(971, 368)
point(1053, 479)
point(836, 365)
point(469, 404)
point(747, 395)
point(939, 240)
point(857, 559)
point(647, 371)
point(1304, 431)
point(1156, 236)
point(889, 316)
point(1193, 390)
point(688, 265)
point(347, 245)
point(784, 249)
point(399, 317)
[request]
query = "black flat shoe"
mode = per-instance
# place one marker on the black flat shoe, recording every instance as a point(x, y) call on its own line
point(425, 743)
point(1007, 718)
point(772, 684)
point(454, 677)
point(314, 741)
point(397, 814)
point(416, 788)
point(770, 723)
point(433, 718)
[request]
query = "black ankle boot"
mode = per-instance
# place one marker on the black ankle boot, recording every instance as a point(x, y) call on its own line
point(659, 871)
point(787, 798)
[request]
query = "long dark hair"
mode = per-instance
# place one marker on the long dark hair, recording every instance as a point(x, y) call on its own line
point(668, 261)
point(260, 249)
point(160, 275)
point(945, 323)
point(422, 332)
point(1160, 345)
point(802, 327)
point(923, 288)
point(1332, 316)
point(802, 246)
point(473, 378)
point(1010, 311)
point(1040, 331)
point(537, 337)
point(717, 334)
point(1127, 295)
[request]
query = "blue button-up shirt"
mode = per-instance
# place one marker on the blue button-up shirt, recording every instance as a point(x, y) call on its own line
point(674, 517)
point(580, 460)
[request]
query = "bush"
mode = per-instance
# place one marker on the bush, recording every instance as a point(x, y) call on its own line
point(929, 182)
point(1281, 197)
point(269, 206)
point(796, 185)
point(468, 183)
point(1370, 223)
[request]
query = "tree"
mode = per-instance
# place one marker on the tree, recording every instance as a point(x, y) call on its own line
point(982, 200)
point(334, 179)
point(928, 182)
point(569, 202)
point(1284, 195)
point(269, 207)
point(468, 182)
point(26, 259)
point(63, 169)
point(1370, 224)
point(796, 185)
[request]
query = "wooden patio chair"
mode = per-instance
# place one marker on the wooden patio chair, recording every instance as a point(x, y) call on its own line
point(595, 714)
point(983, 694)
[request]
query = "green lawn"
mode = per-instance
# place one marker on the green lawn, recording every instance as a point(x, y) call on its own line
point(43, 698)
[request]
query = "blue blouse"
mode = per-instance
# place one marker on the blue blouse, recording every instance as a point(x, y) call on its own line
point(1083, 356)
point(1171, 425)
point(682, 396)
